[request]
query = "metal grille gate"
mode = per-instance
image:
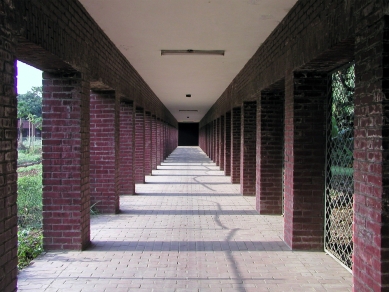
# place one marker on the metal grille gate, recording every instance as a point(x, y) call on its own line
point(339, 166)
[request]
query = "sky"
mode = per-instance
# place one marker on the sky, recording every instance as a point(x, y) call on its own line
point(27, 77)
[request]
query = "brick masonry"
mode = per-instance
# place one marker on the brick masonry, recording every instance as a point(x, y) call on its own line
point(217, 141)
point(47, 34)
point(248, 139)
point(127, 133)
point(227, 144)
point(8, 154)
point(139, 141)
point(148, 147)
point(65, 160)
point(305, 136)
point(235, 144)
point(371, 166)
point(159, 142)
point(104, 134)
point(270, 156)
point(221, 143)
point(154, 142)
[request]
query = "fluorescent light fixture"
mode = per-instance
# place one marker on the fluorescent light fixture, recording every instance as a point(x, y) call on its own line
point(188, 110)
point(192, 52)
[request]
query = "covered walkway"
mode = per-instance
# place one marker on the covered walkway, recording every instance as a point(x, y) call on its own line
point(187, 229)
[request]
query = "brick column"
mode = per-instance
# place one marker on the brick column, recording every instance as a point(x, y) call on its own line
point(235, 144)
point(139, 165)
point(148, 144)
point(270, 156)
point(221, 143)
point(159, 156)
point(127, 184)
point(248, 148)
point(154, 144)
point(305, 96)
point(371, 151)
point(65, 160)
point(217, 141)
point(214, 140)
point(8, 164)
point(209, 140)
point(104, 135)
point(163, 128)
point(227, 144)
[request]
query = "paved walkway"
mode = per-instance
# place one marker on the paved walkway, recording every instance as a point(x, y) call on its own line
point(187, 230)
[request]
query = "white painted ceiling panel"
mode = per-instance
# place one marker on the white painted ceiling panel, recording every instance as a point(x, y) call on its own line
point(142, 28)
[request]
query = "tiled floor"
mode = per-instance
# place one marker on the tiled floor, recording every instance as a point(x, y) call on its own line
point(188, 229)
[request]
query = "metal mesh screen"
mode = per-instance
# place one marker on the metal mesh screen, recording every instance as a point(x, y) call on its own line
point(339, 166)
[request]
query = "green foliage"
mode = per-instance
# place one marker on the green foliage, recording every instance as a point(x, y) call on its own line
point(30, 103)
point(30, 197)
point(26, 156)
point(30, 245)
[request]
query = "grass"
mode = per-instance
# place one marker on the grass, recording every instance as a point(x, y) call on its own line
point(30, 238)
point(30, 197)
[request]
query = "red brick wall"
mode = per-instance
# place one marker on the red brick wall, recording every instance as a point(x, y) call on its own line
point(56, 35)
point(159, 142)
point(221, 143)
point(65, 160)
point(248, 148)
point(227, 144)
point(127, 184)
point(371, 164)
point(217, 141)
point(270, 156)
point(8, 153)
point(104, 173)
point(235, 144)
point(305, 111)
point(148, 150)
point(139, 140)
point(154, 143)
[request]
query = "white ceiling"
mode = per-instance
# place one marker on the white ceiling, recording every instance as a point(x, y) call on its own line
point(142, 28)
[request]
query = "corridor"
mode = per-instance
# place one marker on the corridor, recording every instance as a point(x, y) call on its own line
point(187, 229)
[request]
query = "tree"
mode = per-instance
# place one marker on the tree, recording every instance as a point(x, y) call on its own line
point(29, 108)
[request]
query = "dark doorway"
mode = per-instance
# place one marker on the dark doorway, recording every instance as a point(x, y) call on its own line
point(188, 134)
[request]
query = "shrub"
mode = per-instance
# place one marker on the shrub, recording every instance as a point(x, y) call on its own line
point(30, 245)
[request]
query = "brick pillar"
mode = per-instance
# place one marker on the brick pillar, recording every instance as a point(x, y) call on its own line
point(65, 160)
point(139, 153)
point(127, 184)
point(154, 145)
point(217, 141)
point(305, 97)
point(163, 128)
point(227, 144)
point(104, 135)
point(214, 140)
point(221, 143)
point(159, 158)
point(148, 144)
point(248, 148)
point(210, 140)
point(371, 151)
point(8, 164)
point(270, 156)
point(235, 144)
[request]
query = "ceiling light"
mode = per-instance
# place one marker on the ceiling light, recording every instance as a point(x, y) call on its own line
point(187, 110)
point(192, 52)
